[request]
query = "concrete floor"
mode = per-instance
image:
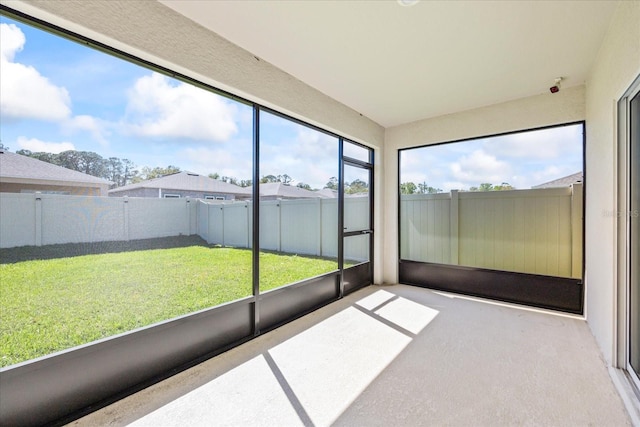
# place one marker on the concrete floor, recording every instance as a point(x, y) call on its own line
point(393, 356)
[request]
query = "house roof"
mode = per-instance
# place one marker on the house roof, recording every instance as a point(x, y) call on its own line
point(278, 189)
point(565, 181)
point(16, 167)
point(186, 181)
point(328, 193)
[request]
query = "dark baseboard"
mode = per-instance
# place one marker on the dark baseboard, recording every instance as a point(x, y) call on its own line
point(555, 293)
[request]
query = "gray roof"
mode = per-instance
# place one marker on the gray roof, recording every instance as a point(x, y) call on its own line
point(565, 181)
point(278, 189)
point(186, 181)
point(18, 167)
point(327, 192)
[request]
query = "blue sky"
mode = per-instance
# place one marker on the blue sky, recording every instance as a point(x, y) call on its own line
point(523, 160)
point(57, 95)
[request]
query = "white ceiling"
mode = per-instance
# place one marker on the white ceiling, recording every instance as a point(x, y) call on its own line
point(397, 64)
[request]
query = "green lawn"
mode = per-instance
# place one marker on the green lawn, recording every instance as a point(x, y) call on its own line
point(53, 304)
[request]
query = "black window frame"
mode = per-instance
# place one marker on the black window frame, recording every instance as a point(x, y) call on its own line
point(69, 384)
point(549, 292)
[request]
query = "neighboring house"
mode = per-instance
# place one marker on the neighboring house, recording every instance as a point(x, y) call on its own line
point(278, 190)
point(328, 193)
point(23, 174)
point(183, 184)
point(565, 181)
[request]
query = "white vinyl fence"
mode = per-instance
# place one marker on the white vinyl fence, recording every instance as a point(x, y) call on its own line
point(536, 231)
point(46, 219)
point(301, 226)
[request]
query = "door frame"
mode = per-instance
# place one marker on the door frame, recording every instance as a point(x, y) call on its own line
point(623, 215)
point(364, 275)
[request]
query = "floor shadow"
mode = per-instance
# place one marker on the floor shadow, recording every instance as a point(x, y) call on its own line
point(31, 253)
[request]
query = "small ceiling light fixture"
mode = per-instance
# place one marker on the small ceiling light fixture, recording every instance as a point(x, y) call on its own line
point(407, 3)
point(556, 87)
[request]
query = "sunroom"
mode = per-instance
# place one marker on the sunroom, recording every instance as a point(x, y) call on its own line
point(455, 240)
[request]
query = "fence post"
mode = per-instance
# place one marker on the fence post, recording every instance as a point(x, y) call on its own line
point(576, 230)
point(319, 227)
point(188, 210)
point(38, 227)
point(249, 208)
point(126, 217)
point(453, 226)
point(279, 213)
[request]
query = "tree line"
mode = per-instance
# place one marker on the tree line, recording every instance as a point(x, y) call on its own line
point(424, 188)
point(123, 172)
point(119, 171)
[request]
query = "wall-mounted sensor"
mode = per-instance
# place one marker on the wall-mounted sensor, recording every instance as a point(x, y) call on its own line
point(556, 87)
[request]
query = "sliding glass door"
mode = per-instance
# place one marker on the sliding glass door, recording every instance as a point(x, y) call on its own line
point(634, 238)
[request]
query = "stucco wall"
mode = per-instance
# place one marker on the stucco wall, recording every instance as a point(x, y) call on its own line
point(617, 65)
point(8, 187)
point(566, 106)
point(153, 193)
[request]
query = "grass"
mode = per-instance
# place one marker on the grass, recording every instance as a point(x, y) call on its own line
point(53, 304)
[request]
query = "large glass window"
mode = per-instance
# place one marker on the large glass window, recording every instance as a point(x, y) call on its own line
point(127, 197)
point(298, 202)
point(511, 202)
point(107, 175)
point(130, 214)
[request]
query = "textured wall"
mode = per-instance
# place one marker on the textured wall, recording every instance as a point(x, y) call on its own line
point(535, 111)
point(7, 187)
point(617, 65)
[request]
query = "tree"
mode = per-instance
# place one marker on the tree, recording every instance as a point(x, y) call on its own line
point(503, 187)
point(129, 171)
point(157, 172)
point(82, 161)
point(332, 184)
point(285, 179)
point(229, 180)
point(408, 188)
point(356, 186)
point(423, 188)
point(485, 186)
point(114, 170)
point(119, 171)
point(45, 157)
point(232, 180)
point(304, 186)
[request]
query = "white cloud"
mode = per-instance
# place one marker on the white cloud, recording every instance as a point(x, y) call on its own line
point(158, 108)
point(25, 93)
point(479, 167)
point(453, 185)
point(96, 127)
point(36, 145)
point(551, 143)
point(236, 163)
point(305, 155)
